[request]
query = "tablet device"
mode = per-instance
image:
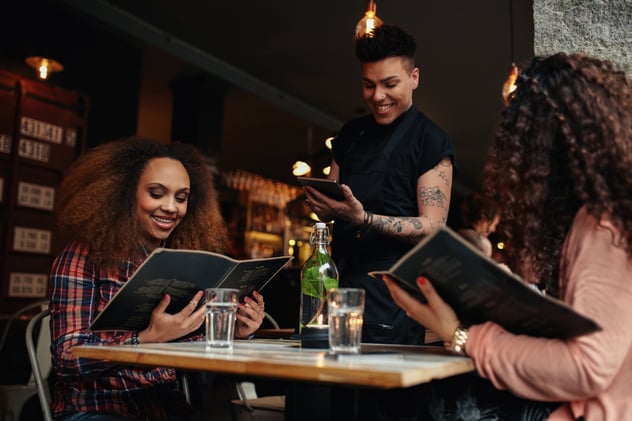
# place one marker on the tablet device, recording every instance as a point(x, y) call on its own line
point(324, 185)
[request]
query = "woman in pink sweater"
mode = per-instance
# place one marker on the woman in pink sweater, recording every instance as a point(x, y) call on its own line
point(561, 169)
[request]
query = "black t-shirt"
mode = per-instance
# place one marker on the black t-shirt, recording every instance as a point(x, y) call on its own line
point(385, 182)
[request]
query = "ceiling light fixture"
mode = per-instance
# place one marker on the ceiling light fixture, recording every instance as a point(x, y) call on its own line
point(44, 65)
point(369, 22)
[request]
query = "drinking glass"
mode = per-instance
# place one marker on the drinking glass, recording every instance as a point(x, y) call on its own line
point(221, 307)
point(346, 309)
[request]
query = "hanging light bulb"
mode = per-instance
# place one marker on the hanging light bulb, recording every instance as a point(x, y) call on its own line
point(44, 66)
point(369, 22)
point(510, 84)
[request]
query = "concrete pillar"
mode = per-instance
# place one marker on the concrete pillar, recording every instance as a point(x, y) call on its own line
point(601, 28)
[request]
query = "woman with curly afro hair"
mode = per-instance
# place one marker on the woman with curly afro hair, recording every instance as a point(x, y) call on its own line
point(560, 173)
point(117, 203)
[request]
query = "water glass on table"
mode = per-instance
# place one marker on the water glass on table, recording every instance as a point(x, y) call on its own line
point(346, 309)
point(221, 307)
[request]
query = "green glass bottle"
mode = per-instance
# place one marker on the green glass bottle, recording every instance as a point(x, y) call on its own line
point(318, 275)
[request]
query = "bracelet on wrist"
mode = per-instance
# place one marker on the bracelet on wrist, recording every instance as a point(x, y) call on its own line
point(134, 340)
point(459, 339)
point(368, 219)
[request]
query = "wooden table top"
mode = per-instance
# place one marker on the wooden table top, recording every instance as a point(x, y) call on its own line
point(378, 366)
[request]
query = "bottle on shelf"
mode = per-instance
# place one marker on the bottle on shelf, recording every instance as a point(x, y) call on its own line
point(318, 275)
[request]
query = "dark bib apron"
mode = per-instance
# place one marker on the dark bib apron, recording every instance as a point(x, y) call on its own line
point(358, 251)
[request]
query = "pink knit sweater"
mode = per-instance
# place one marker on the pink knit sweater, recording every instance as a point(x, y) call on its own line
point(591, 374)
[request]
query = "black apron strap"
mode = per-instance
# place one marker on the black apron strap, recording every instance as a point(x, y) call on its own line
point(401, 132)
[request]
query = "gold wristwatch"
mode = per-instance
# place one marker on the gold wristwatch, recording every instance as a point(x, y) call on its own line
point(459, 338)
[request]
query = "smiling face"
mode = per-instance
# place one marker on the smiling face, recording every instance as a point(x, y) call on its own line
point(387, 87)
point(162, 195)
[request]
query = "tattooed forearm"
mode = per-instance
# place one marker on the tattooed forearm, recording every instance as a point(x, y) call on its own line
point(433, 202)
point(406, 228)
point(402, 224)
point(433, 196)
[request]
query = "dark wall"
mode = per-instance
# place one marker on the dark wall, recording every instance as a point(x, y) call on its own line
point(97, 62)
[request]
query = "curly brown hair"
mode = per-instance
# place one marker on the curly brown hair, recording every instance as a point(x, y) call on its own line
point(476, 208)
point(97, 201)
point(563, 142)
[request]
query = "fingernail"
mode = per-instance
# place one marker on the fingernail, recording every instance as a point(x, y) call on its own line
point(165, 297)
point(421, 280)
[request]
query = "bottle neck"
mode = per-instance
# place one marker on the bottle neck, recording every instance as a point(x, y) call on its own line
point(320, 239)
point(322, 248)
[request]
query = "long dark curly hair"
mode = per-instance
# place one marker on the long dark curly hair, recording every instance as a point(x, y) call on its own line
point(563, 142)
point(97, 201)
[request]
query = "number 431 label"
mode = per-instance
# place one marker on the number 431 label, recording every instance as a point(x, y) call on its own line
point(34, 150)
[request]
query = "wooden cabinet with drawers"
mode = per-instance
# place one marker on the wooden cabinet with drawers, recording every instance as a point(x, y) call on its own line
point(42, 131)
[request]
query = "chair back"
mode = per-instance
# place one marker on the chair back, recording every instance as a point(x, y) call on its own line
point(271, 319)
point(40, 358)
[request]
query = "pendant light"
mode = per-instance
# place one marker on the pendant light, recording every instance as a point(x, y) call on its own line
point(369, 22)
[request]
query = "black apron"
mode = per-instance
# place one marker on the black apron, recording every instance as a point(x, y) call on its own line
point(357, 250)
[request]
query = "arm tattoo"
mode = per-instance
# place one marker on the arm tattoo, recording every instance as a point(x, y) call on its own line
point(441, 172)
point(398, 223)
point(433, 196)
point(443, 176)
point(410, 227)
